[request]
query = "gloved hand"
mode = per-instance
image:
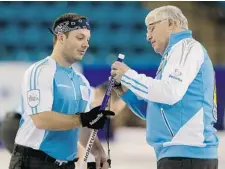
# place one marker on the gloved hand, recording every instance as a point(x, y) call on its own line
point(95, 118)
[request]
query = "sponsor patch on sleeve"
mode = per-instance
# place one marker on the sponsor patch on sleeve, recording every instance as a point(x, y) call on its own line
point(33, 98)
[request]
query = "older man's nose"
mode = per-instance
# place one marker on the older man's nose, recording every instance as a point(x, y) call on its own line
point(148, 37)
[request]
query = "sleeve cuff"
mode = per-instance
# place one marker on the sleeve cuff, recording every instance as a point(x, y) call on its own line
point(128, 95)
point(128, 75)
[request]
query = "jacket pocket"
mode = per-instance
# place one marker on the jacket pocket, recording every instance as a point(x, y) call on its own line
point(166, 122)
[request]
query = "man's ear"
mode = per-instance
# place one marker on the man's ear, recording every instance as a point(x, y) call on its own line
point(171, 24)
point(60, 37)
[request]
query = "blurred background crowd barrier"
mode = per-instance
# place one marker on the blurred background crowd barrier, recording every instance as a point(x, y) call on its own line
point(117, 27)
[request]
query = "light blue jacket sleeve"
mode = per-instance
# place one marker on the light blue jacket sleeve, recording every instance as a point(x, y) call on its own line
point(138, 107)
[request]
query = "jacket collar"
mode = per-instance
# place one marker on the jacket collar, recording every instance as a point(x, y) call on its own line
point(176, 37)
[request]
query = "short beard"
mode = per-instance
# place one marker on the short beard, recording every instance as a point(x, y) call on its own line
point(68, 58)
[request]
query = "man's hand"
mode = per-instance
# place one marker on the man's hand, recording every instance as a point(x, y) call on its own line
point(120, 89)
point(101, 160)
point(118, 69)
point(95, 118)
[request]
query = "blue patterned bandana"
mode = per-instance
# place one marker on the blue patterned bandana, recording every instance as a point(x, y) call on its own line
point(71, 25)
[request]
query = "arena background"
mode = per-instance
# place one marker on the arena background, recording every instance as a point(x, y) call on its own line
point(117, 27)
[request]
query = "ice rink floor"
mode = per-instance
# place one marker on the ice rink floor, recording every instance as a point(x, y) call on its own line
point(130, 151)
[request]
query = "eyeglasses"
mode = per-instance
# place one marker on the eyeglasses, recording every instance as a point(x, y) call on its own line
point(151, 26)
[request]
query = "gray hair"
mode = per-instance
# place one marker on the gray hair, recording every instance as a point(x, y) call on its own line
point(168, 12)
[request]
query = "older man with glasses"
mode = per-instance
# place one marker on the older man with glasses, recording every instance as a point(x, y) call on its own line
point(179, 103)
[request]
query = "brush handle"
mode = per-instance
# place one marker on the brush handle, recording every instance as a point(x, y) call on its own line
point(103, 106)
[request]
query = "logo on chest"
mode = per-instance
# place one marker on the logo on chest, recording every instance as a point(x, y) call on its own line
point(176, 74)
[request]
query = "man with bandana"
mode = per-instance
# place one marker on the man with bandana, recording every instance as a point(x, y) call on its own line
point(56, 104)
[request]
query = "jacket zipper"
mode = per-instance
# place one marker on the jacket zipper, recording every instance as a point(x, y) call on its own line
point(166, 122)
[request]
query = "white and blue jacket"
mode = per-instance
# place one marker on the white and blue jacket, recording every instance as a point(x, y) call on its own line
point(179, 105)
point(49, 87)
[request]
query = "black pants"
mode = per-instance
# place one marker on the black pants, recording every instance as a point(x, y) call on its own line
point(8, 130)
point(23, 161)
point(187, 163)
